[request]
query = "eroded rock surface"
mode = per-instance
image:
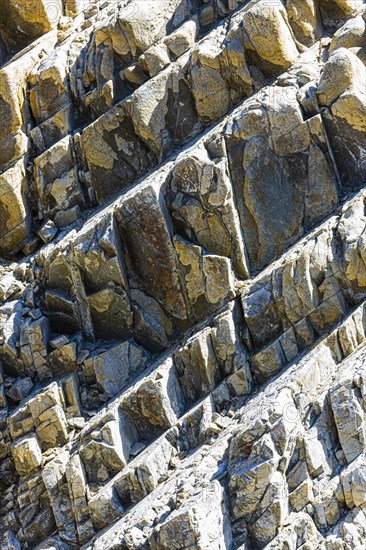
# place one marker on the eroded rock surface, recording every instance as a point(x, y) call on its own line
point(182, 274)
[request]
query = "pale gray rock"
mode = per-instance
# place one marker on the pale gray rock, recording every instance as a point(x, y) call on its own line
point(118, 365)
point(190, 525)
point(350, 422)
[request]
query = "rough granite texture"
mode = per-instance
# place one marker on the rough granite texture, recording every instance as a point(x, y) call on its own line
point(183, 274)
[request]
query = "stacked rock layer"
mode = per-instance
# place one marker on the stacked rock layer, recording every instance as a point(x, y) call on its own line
point(183, 274)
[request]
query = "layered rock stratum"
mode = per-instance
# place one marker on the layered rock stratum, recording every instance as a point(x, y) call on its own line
point(183, 274)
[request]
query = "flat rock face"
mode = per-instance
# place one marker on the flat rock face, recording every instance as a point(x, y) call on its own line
point(182, 274)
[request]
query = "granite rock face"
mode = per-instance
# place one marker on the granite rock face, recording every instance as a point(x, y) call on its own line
point(183, 274)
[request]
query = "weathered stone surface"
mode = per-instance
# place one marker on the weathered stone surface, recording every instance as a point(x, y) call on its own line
point(143, 227)
point(54, 479)
point(182, 323)
point(269, 36)
point(305, 20)
point(48, 231)
point(156, 403)
point(349, 419)
point(353, 483)
point(344, 96)
point(27, 454)
point(14, 215)
point(57, 179)
point(20, 389)
point(23, 23)
point(191, 524)
point(104, 508)
point(115, 367)
point(201, 202)
point(105, 450)
point(269, 145)
point(350, 35)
